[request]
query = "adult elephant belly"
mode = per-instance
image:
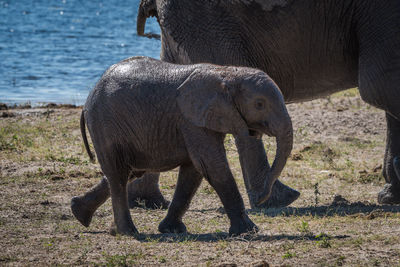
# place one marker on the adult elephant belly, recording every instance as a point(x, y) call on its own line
point(317, 83)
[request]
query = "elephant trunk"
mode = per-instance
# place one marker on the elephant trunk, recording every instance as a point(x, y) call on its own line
point(141, 21)
point(284, 144)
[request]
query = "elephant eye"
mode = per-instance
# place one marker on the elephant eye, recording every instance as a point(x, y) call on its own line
point(260, 104)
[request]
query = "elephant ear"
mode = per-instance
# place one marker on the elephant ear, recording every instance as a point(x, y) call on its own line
point(205, 101)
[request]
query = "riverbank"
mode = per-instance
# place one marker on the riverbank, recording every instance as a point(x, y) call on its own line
point(336, 165)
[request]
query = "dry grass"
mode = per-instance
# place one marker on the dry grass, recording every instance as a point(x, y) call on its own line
point(339, 146)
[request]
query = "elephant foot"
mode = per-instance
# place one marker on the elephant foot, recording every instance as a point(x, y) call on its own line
point(168, 226)
point(152, 202)
point(389, 195)
point(81, 211)
point(129, 230)
point(281, 196)
point(145, 192)
point(242, 226)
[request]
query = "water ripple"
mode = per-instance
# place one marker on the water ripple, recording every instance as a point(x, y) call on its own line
point(55, 51)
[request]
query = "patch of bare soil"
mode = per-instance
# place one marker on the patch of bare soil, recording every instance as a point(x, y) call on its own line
point(335, 164)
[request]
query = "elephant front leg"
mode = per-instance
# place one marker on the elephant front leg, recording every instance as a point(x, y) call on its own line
point(225, 186)
point(145, 190)
point(255, 166)
point(390, 194)
point(189, 180)
point(207, 152)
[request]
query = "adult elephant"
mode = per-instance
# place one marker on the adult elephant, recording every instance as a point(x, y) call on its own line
point(311, 48)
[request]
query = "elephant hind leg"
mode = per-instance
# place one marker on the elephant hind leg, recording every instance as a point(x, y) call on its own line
point(116, 166)
point(83, 207)
point(119, 196)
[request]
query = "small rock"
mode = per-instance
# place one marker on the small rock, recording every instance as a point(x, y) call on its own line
point(328, 152)
point(338, 200)
point(51, 105)
point(378, 168)
point(57, 177)
point(297, 156)
point(3, 106)
point(45, 203)
point(48, 112)
point(305, 149)
point(259, 264)
point(25, 106)
point(7, 114)
point(67, 106)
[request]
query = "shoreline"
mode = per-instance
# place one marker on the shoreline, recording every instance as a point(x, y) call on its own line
point(9, 111)
point(28, 105)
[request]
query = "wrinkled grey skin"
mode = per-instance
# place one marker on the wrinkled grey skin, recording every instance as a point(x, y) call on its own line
point(147, 116)
point(309, 48)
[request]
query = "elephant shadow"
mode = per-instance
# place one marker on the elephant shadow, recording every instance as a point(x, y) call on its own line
point(215, 237)
point(218, 236)
point(369, 210)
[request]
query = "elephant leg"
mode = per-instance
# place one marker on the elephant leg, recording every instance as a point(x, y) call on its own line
point(255, 166)
point(210, 160)
point(390, 194)
point(83, 207)
point(189, 180)
point(379, 81)
point(145, 190)
point(119, 196)
point(227, 190)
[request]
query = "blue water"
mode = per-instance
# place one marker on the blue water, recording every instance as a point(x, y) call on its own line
point(55, 51)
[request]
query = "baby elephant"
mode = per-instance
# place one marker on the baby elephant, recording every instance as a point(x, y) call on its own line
point(146, 115)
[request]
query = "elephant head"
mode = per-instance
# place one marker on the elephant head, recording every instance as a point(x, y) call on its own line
point(240, 101)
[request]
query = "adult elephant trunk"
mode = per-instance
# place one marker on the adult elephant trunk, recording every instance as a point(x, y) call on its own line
point(141, 21)
point(284, 144)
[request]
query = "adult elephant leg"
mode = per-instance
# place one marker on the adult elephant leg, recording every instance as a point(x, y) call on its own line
point(379, 80)
point(391, 171)
point(255, 166)
point(145, 190)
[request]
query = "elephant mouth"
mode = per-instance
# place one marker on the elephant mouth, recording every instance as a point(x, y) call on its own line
point(257, 132)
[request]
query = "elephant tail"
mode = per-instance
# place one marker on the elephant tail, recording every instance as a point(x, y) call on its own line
point(85, 140)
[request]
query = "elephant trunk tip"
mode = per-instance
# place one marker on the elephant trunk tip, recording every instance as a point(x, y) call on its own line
point(266, 193)
point(284, 145)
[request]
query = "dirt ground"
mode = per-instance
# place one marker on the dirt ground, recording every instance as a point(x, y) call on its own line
point(336, 164)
